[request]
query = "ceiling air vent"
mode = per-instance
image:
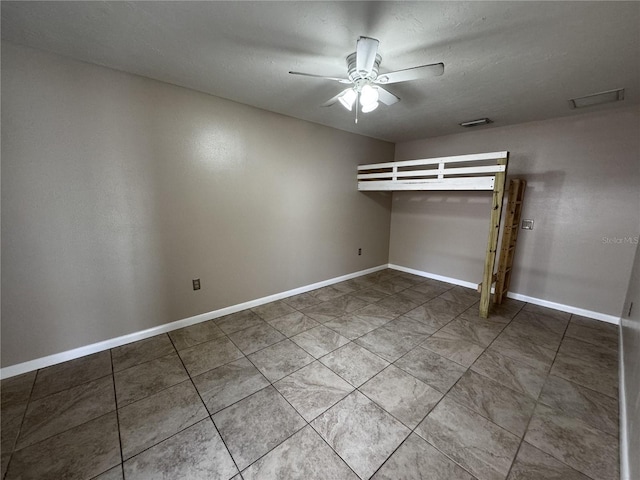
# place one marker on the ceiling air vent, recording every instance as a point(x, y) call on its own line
point(597, 98)
point(476, 123)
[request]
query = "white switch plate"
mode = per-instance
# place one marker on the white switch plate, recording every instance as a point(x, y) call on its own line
point(527, 224)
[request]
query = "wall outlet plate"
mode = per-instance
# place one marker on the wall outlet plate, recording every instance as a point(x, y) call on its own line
point(196, 284)
point(527, 224)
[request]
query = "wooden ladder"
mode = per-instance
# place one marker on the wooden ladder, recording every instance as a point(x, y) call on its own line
point(509, 238)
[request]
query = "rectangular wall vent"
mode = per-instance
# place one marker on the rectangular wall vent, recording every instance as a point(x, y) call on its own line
point(597, 98)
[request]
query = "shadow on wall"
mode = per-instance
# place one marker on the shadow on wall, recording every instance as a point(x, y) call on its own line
point(533, 252)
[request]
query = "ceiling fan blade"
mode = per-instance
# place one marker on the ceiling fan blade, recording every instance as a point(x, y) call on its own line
point(366, 51)
point(415, 73)
point(335, 99)
point(387, 97)
point(341, 80)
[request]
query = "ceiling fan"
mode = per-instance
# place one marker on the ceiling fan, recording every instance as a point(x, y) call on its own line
point(365, 78)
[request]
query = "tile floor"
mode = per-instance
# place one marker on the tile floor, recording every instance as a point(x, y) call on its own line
point(386, 376)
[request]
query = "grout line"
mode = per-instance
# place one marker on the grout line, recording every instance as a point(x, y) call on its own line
point(115, 400)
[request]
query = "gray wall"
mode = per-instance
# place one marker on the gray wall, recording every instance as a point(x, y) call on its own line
point(118, 190)
point(583, 175)
point(631, 352)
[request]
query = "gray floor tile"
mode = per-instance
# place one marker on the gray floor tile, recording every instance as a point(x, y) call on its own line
point(303, 456)
point(114, 473)
point(313, 389)
point(270, 311)
point(402, 395)
point(195, 334)
point(360, 432)
point(387, 288)
point(431, 368)
point(10, 423)
point(475, 443)
point(454, 348)
point(370, 295)
point(257, 424)
point(82, 452)
point(196, 453)
point(238, 321)
point(596, 409)
point(209, 355)
point(555, 324)
point(398, 304)
point(523, 350)
point(533, 464)
point(462, 295)
point(280, 359)
point(376, 313)
point(64, 410)
point(592, 323)
point(497, 314)
point(354, 363)
point(256, 338)
point(582, 447)
point(504, 407)
point(353, 326)
point(155, 418)
point(430, 289)
point(389, 344)
point(69, 374)
point(326, 293)
point(601, 337)
point(5, 456)
point(590, 353)
point(139, 352)
point(293, 323)
point(405, 324)
point(225, 385)
point(319, 341)
point(534, 332)
point(148, 378)
point(516, 375)
point(301, 301)
point(416, 458)
point(16, 390)
point(437, 312)
point(547, 312)
point(602, 378)
point(481, 332)
point(326, 311)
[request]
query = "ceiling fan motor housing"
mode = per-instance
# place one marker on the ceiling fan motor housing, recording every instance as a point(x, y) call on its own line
point(355, 75)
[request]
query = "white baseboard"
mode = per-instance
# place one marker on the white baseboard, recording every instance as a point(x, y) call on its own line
point(13, 370)
point(625, 474)
point(517, 296)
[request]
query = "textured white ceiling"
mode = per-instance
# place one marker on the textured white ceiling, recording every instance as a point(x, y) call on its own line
point(510, 61)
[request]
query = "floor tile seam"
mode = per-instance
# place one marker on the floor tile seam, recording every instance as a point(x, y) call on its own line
point(331, 447)
point(537, 399)
point(66, 428)
point(289, 374)
point(464, 338)
point(573, 382)
point(521, 439)
point(115, 396)
point(387, 411)
point(34, 399)
point(177, 353)
point(24, 415)
point(589, 342)
point(209, 415)
point(563, 413)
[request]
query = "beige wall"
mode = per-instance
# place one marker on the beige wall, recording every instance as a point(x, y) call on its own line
point(118, 190)
point(631, 360)
point(583, 176)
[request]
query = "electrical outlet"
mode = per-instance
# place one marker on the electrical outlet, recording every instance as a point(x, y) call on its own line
point(196, 284)
point(527, 224)
point(359, 251)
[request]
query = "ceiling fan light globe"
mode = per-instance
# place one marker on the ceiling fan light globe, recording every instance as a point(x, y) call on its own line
point(369, 107)
point(347, 98)
point(368, 95)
